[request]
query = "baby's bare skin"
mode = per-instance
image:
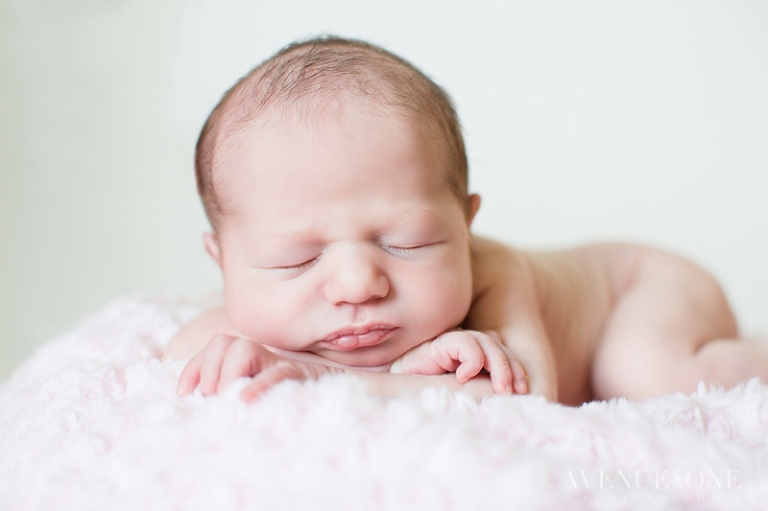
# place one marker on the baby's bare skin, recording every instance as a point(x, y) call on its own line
point(342, 229)
point(598, 321)
point(552, 307)
point(611, 320)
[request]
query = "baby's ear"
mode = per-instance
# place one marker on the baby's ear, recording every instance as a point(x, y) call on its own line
point(212, 247)
point(474, 205)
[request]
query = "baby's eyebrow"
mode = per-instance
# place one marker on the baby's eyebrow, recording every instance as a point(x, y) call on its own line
point(279, 240)
point(315, 236)
point(425, 216)
point(304, 237)
point(288, 231)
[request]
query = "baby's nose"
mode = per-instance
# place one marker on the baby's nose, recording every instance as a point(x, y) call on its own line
point(356, 276)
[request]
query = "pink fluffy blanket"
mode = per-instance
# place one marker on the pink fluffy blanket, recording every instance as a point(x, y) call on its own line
point(91, 421)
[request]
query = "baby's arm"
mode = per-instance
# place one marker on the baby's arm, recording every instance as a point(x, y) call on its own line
point(196, 334)
point(227, 358)
point(218, 359)
point(465, 352)
point(219, 355)
point(506, 302)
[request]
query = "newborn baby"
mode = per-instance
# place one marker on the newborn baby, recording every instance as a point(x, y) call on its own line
point(334, 176)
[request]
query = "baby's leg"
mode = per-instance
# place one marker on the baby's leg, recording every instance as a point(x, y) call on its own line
point(669, 330)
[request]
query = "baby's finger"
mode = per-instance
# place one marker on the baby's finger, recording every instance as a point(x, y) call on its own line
point(190, 376)
point(269, 378)
point(498, 366)
point(467, 350)
point(244, 358)
point(520, 380)
point(210, 370)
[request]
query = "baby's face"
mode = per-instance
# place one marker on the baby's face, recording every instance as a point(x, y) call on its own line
point(343, 239)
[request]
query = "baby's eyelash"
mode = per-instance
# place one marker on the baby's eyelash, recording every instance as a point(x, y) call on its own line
point(301, 266)
point(400, 250)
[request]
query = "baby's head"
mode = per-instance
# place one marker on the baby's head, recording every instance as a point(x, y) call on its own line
point(319, 77)
point(335, 178)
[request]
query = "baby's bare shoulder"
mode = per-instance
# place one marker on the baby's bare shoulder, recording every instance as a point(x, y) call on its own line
point(592, 268)
point(495, 263)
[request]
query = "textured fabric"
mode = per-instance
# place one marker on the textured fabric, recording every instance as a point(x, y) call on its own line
point(92, 421)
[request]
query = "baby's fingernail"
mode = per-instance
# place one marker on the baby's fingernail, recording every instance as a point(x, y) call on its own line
point(249, 395)
point(508, 388)
point(521, 386)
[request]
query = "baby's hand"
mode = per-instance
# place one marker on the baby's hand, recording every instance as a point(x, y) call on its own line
point(466, 352)
point(227, 358)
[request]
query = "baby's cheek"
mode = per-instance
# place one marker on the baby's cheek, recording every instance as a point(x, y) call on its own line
point(443, 300)
point(249, 312)
point(279, 322)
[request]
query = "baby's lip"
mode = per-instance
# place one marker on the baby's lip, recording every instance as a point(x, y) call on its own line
point(358, 336)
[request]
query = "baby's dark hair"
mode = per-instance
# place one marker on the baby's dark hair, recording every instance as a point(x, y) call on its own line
point(317, 74)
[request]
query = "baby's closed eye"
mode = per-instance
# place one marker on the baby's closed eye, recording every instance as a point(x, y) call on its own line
point(297, 262)
point(400, 250)
point(298, 266)
point(408, 250)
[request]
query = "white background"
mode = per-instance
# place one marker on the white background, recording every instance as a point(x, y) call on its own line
point(584, 121)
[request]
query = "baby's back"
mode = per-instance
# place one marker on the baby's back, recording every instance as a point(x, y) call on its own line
point(572, 292)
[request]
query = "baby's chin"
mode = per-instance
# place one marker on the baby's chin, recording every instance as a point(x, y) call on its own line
point(374, 358)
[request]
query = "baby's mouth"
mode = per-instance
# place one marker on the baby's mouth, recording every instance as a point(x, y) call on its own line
point(364, 336)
